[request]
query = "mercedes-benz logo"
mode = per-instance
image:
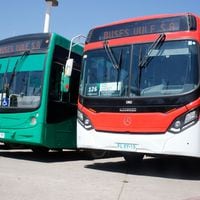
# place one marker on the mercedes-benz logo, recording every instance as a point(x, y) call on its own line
point(127, 121)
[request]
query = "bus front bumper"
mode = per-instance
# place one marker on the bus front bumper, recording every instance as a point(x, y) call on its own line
point(186, 143)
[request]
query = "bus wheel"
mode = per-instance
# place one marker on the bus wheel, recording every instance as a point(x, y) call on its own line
point(40, 150)
point(133, 158)
point(96, 154)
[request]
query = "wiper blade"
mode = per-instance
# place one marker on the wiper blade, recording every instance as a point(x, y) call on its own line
point(18, 62)
point(5, 85)
point(5, 81)
point(110, 55)
point(144, 61)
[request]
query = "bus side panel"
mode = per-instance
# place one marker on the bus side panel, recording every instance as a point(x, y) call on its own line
point(61, 135)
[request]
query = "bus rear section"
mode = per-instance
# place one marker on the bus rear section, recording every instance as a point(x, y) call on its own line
point(35, 111)
point(139, 88)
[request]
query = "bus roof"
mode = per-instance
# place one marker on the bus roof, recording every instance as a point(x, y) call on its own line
point(21, 37)
point(147, 17)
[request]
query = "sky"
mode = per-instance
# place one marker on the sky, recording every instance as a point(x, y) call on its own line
point(74, 17)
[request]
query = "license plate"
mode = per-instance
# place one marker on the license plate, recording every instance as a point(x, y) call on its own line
point(2, 135)
point(126, 146)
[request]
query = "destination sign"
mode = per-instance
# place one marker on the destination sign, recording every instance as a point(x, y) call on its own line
point(27, 44)
point(170, 24)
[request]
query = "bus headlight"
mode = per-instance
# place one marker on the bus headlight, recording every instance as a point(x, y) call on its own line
point(33, 121)
point(84, 120)
point(184, 121)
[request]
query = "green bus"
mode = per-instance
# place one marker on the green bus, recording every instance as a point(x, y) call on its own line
point(38, 101)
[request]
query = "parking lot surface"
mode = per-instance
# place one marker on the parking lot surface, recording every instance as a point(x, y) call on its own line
point(69, 175)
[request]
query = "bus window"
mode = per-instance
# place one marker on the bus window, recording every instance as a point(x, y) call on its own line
point(54, 84)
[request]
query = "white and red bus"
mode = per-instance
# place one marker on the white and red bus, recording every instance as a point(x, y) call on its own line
point(140, 87)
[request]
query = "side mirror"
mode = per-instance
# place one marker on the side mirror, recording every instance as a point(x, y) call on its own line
point(64, 83)
point(68, 67)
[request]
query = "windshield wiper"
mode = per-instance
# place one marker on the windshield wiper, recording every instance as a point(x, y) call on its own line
point(5, 85)
point(110, 55)
point(5, 82)
point(144, 61)
point(18, 62)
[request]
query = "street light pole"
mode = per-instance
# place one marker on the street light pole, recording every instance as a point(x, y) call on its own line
point(49, 4)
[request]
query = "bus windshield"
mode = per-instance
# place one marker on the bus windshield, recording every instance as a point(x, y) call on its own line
point(21, 84)
point(169, 69)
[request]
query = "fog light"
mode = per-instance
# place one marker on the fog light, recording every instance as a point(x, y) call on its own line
point(177, 124)
point(84, 120)
point(87, 121)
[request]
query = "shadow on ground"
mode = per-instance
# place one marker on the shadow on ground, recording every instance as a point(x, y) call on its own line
point(165, 167)
point(44, 157)
point(52, 156)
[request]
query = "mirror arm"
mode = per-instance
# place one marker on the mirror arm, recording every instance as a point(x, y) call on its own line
point(70, 61)
point(72, 43)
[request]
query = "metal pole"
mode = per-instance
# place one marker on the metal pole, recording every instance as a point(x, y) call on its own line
point(47, 17)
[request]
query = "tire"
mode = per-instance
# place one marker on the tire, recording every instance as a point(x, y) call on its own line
point(96, 154)
point(40, 150)
point(133, 158)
